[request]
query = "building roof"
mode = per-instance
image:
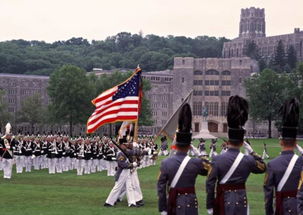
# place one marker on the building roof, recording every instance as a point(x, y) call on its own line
point(8, 75)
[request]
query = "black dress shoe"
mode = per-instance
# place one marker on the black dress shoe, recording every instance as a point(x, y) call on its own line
point(107, 205)
point(140, 203)
point(133, 206)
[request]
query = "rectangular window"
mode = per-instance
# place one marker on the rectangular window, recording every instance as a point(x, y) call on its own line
point(226, 82)
point(223, 108)
point(197, 110)
point(225, 93)
point(213, 108)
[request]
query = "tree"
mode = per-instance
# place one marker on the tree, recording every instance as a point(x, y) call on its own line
point(31, 111)
point(279, 58)
point(145, 117)
point(70, 95)
point(266, 92)
point(4, 114)
point(251, 50)
point(124, 50)
point(291, 57)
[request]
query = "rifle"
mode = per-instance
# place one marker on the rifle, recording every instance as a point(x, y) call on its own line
point(126, 155)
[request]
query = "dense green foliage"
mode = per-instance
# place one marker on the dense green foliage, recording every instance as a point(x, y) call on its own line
point(32, 111)
point(62, 194)
point(268, 90)
point(70, 94)
point(123, 50)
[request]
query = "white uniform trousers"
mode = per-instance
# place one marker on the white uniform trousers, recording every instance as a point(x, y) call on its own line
point(102, 165)
point(59, 165)
point(111, 168)
point(95, 163)
point(19, 163)
point(73, 163)
point(52, 165)
point(87, 166)
point(7, 168)
point(37, 162)
point(66, 163)
point(1, 163)
point(28, 163)
point(136, 185)
point(124, 182)
point(80, 166)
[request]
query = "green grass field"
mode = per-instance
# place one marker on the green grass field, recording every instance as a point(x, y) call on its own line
point(38, 193)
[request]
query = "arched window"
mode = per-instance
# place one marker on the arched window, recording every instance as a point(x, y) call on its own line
point(225, 72)
point(198, 72)
point(211, 72)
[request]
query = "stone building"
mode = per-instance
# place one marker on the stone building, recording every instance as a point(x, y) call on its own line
point(252, 28)
point(18, 87)
point(160, 96)
point(213, 81)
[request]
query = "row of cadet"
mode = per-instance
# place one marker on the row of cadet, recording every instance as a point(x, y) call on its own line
point(60, 154)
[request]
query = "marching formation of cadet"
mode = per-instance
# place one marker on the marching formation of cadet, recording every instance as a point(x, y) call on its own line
point(60, 154)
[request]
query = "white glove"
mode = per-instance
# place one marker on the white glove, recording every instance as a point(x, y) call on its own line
point(210, 211)
point(135, 145)
point(195, 150)
point(248, 147)
point(163, 213)
point(299, 148)
point(135, 164)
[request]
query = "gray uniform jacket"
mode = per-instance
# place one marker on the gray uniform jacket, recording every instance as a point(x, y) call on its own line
point(234, 202)
point(275, 171)
point(186, 204)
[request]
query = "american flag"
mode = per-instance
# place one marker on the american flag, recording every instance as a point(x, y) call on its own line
point(120, 103)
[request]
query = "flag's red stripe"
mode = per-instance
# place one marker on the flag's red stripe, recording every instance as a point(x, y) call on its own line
point(119, 118)
point(112, 112)
point(116, 104)
point(104, 97)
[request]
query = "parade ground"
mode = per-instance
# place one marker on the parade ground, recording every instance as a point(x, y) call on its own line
point(38, 193)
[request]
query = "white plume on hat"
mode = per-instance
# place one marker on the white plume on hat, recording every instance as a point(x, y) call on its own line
point(8, 128)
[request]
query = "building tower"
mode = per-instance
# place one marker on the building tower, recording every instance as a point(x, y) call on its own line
point(252, 23)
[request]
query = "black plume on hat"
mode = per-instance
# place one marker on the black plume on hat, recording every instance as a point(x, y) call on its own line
point(183, 135)
point(290, 118)
point(237, 115)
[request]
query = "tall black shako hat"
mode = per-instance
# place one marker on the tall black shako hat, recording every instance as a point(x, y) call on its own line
point(237, 115)
point(183, 134)
point(290, 119)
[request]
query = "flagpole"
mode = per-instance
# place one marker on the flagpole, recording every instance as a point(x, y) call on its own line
point(140, 95)
point(136, 132)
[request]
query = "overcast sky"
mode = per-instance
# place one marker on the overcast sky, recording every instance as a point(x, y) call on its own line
point(52, 20)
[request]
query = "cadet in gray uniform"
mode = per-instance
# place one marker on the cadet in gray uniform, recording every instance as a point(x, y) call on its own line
point(122, 177)
point(179, 173)
point(284, 172)
point(231, 169)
